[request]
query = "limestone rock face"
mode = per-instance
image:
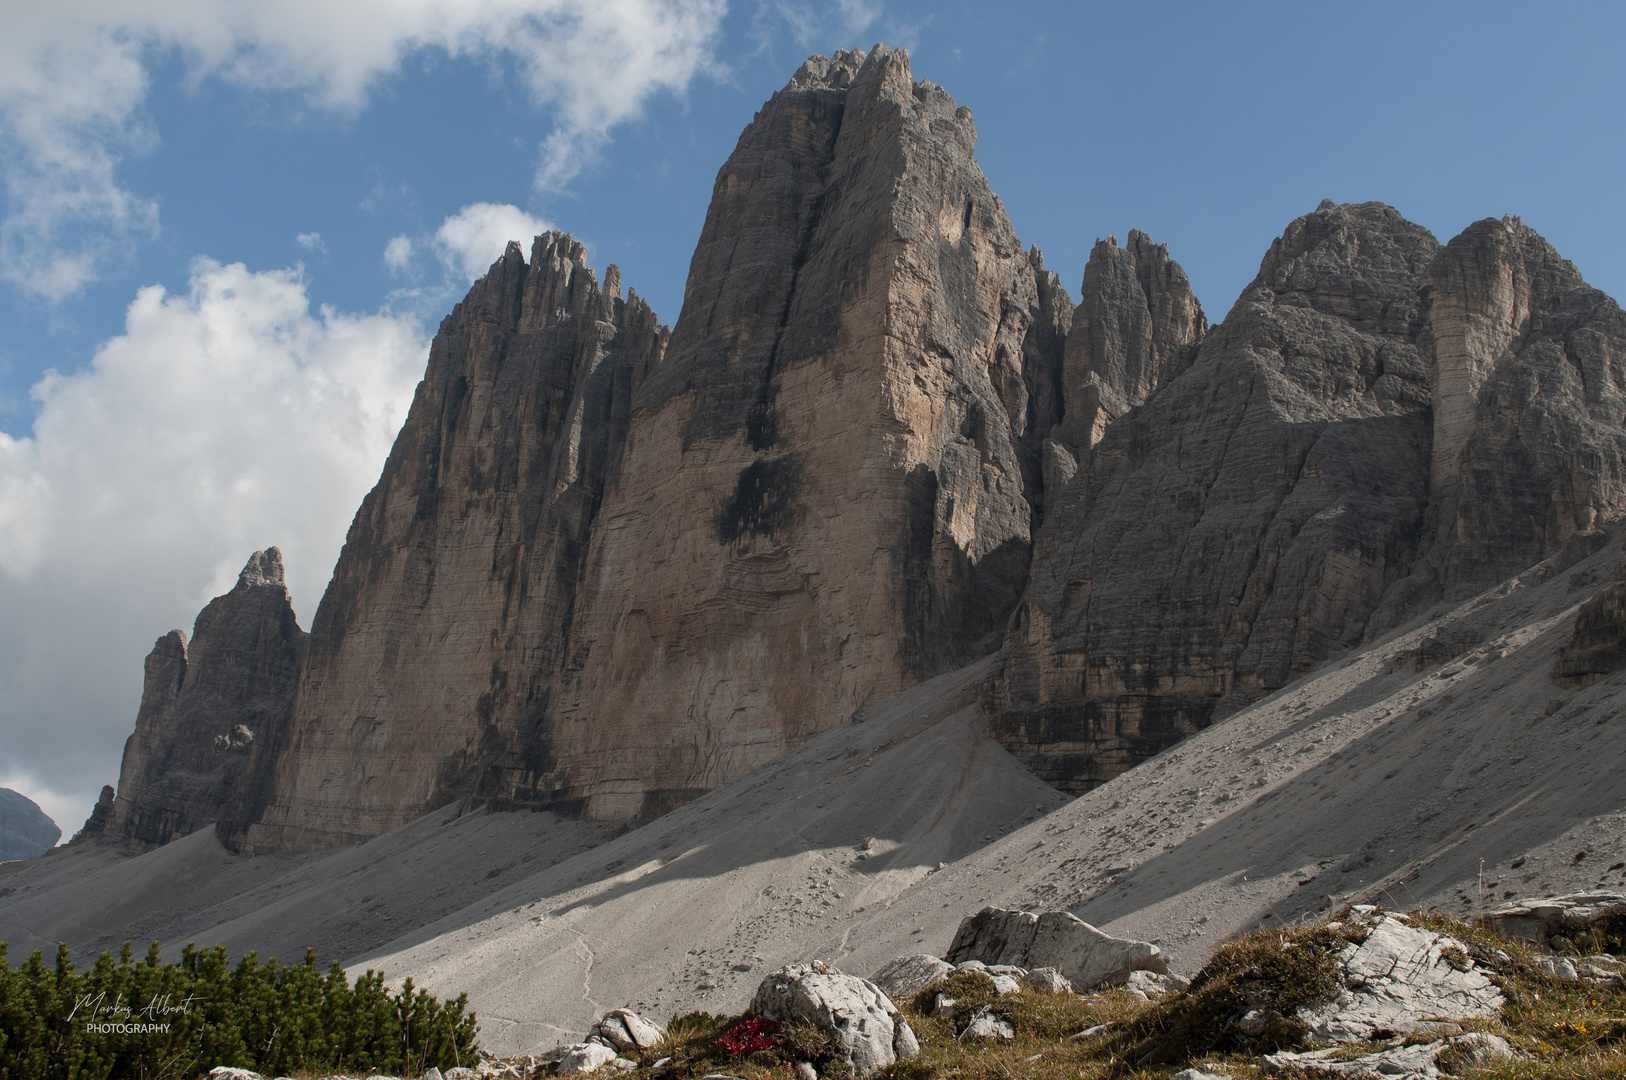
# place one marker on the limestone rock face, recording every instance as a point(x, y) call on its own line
point(823, 496)
point(1246, 520)
point(95, 826)
point(25, 830)
point(1137, 325)
point(1529, 390)
point(443, 626)
point(213, 713)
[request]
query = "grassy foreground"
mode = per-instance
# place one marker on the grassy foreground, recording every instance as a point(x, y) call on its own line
point(1566, 1030)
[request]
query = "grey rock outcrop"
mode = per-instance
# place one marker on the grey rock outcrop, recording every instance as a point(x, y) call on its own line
point(25, 829)
point(624, 1031)
point(1416, 1061)
point(1403, 979)
point(1529, 390)
point(95, 826)
point(1084, 956)
point(1243, 523)
point(866, 1025)
point(1137, 325)
point(434, 649)
point(214, 714)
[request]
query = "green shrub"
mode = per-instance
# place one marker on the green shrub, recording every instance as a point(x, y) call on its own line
point(151, 1019)
point(1274, 972)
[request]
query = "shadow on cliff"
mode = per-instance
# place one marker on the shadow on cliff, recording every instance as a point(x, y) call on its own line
point(1475, 761)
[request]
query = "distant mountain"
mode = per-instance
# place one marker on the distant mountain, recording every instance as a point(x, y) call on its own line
point(25, 831)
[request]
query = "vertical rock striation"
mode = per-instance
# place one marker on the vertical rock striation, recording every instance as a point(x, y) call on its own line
point(214, 712)
point(823, 496)
point(1137, 325)
point(1529, 389)
point(443, 626)
point(1248, 518)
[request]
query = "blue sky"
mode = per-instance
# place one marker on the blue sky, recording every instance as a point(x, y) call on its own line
point(200, 409)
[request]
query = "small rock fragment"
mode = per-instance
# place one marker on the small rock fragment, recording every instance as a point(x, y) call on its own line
point(985, 1025)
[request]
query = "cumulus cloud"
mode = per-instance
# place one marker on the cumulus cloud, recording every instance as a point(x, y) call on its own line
point(73, 77)
point(398, 255)
point(469, 241)
point(224, 419)
point(311, 241)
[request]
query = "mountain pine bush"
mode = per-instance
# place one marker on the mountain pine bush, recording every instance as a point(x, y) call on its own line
point(150, 1019)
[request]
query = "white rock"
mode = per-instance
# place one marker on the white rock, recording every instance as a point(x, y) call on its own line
point(985, 1025)
point(865, 1023)
point(226, 1072)
point(806, 1071)
point(1085, 956)
point(1004, 984)
point(972, 965)
point(1151, 982)
point(1049, 980)
point(432, 1073)
point(1197, 1074)
point(584, 1058)
point(625, 1031)
point(907, 976)
point(621, 1064)
point(1251, 1023)
point(1397, 980)
point(1417, 1062)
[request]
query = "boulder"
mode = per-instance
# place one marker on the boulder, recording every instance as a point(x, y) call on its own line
point(1539, 920)
point(1006, 984)
point(1402, 979)
point(866, 1025)
point(584, 1058)
point(985, 1025)
point(907, 976)
point(1047, 979)
point(625, 1031)
point(1421, 1061)
point(1083, 955)
point(226, 1072)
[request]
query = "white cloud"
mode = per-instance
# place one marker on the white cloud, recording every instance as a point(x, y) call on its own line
point(73, 77)
point(224, 419)
point(311, 241)
point(398, 255)
point(469, 241)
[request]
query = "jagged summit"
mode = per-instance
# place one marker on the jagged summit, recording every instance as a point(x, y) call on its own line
point(262, 568)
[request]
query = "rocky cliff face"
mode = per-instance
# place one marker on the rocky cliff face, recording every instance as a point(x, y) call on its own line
point(1378, 424)
point(25, 830)
point(214, 714)
point(1529, 391)
point(445, 621)
point(823, 496)
point(1248, 518)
